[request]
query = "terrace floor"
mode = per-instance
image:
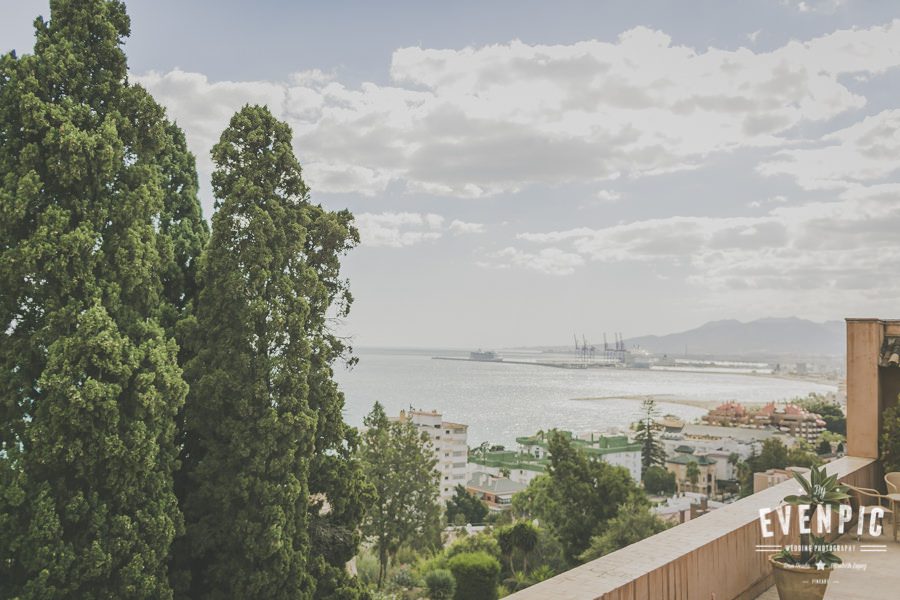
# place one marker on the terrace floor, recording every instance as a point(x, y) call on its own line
point(867, 574)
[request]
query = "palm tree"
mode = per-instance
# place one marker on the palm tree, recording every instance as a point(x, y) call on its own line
point(693, 473)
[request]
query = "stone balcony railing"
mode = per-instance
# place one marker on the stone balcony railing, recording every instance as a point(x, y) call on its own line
point(713, 557)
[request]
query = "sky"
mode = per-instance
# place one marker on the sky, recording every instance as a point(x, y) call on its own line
point(521, 171)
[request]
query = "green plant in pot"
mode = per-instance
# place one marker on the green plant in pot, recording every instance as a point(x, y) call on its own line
point(804, 575)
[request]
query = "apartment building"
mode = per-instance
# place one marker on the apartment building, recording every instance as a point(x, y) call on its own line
point(449, 441)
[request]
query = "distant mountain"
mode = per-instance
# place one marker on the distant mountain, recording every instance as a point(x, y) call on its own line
point(765, 337)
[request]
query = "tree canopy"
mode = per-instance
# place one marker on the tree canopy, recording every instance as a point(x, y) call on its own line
point(576, 497)
point(465, 507)
point(400, 464)
point(99, 233)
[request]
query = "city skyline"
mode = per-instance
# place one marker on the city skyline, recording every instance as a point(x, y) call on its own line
point(520, 172)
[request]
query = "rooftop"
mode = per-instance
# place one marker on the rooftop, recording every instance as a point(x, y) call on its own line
point(485, 482)
point(684, 459)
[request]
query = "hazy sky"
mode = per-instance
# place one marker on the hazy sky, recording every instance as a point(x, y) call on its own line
point(524, 170)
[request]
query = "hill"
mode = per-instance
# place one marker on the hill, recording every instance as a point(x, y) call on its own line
point(764, 337)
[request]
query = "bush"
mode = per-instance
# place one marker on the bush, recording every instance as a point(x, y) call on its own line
point(481, 542)
point(476, 576)
point(367, 568)
point(402, 577)
point(440, 584)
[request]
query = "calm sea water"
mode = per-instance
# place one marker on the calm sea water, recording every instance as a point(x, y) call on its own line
point(502, 401)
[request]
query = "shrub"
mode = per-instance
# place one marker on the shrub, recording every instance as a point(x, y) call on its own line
point(476, 576)
point(367, 568)
point(441, 584)
point(481, 542)
point(402, 577)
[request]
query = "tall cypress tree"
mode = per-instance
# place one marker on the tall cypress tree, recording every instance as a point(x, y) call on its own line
point(263, 408)
point(98, 234)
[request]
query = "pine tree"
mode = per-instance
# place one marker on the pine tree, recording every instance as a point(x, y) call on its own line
point(272, 492)
point(652, 450)
point(92, 221)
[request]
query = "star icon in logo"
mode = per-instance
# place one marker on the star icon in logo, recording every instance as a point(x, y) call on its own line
point(820, 566)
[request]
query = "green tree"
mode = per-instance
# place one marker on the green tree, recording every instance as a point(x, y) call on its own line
point(399, 463)
point(652, 450)
point(803, 455)
point(251, 431)
point(464, 504)
point(476, 576)
point(576, 497)
point(633, 523)
point(831, 412)
point(692, 471)
point(659, 481)
point(98, 240)
point(480, 542)
point(519, 538)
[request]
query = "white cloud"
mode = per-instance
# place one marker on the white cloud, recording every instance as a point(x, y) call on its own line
point(398, 229)
point(551, 261)
point(401, 229)
point(864, 152)
point(608, 196)
point(484, 120)
point(461, 227)
point(816, 6)
point(840, 250)
point(754, 35)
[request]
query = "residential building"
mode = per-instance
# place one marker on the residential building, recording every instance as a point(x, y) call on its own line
point(706, 480)
point(449, 442)
point(518, 467)
point(496, 492)
point(789, 419)
point(728, 413)
point(793, 420)
point(766, 479)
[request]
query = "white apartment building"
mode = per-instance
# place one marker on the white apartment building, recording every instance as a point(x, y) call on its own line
point(449, 441)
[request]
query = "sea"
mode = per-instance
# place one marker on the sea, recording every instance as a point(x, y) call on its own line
point(500, 401)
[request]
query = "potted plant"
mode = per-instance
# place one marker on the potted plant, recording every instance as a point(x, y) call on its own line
point(804, 575)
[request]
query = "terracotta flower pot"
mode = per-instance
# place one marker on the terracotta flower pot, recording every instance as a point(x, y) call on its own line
point(799, 583)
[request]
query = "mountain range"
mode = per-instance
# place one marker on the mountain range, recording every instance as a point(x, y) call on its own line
point(764, 337)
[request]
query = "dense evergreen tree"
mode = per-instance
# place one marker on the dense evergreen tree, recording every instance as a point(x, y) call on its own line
point(263, 420)
point(99, 229)
point(652, 450)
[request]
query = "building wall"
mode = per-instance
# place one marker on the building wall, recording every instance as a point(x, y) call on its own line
point(629, 460)
point(449, 441)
